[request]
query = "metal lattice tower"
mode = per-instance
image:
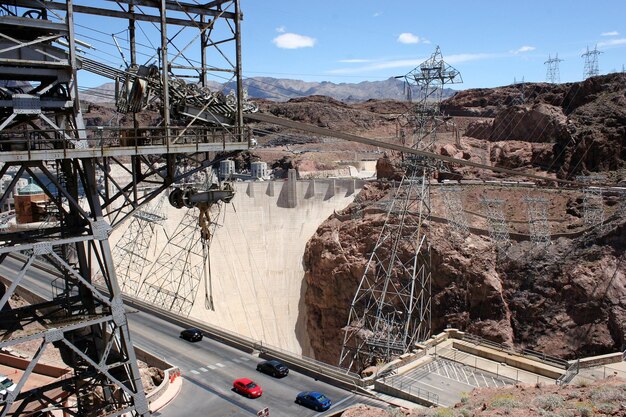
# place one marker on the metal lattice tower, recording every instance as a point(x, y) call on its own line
point(591, 63)
point(553, 73)
point(43, 136)
point(131, 252)
point(538, 226)
point(498, 227)
point(593, 202)
point(391, 309)
point(453, 204)
point(172, 281)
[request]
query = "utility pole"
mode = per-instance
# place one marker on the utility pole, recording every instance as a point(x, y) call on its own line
point(498, 227)
point(538, 225)
point(454, 209)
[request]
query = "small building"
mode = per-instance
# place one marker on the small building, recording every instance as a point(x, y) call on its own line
point(30, 204)
point(258, 170)
point(227, 169)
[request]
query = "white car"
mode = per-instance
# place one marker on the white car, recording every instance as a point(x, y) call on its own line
point(6, 386)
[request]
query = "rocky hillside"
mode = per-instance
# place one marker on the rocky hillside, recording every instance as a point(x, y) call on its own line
point(567, 300)
point(602, 398)
point(585, 121)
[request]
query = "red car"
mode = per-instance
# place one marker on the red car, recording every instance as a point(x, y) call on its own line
point(247, 387)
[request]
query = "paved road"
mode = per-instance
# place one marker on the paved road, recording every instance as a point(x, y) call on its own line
point(209, 368)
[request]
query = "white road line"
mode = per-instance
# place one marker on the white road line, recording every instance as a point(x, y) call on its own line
point(494, 382)
point(485, 379)
point(211, 367)
point(465, 375)
point(236, 360)
point(345, 399)
point(243, 358)
point(477, 383)
point(445, 368)
point(193, 371)
point(204, 370)
point(220, 365)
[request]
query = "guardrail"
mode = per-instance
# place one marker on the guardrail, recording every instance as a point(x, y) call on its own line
point(571, 372)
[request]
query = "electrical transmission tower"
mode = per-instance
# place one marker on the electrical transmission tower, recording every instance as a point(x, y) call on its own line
point(538, 225)
point(391, 309)
point(593, 202)
point(131, 252)
point(553, 74)
point(498, 227)
point(454, 209)
point(591, 62)
point(43, 137)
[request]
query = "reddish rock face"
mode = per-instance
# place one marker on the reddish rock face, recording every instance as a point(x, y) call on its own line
point(568, 301)
point(586, 121)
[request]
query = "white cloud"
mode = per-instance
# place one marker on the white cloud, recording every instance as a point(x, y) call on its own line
point(294, 41)
point(523, 49)
point(377, 14)
point(280, 29)
point(409, 63)
point(612, 43)
point(408, 38)
point(612, 33)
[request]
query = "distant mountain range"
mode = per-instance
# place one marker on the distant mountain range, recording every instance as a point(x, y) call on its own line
point(280, 89)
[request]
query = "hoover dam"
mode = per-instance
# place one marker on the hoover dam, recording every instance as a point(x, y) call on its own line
point(255, 274)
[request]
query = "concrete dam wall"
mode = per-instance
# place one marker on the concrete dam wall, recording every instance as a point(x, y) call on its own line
point(255, 258)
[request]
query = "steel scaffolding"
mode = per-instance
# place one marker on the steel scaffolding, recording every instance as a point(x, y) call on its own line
point(391, 309)
point(43, 137)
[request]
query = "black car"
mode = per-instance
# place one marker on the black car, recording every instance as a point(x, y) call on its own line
point(273, 367)
point(193, 334)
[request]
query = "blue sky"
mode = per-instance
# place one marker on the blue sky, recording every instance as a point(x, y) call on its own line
point(491, 42)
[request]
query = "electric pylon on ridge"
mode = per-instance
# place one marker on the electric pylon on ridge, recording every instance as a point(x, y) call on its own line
point(454, 209)
point(498, 227)
point(591, 62)
point(553, 73)
point(538, 225)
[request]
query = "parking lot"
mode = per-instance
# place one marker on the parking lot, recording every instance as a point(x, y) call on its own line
point(446, 380)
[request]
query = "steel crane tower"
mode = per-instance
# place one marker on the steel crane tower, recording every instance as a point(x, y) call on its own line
point(43, 137)
point(391, 309)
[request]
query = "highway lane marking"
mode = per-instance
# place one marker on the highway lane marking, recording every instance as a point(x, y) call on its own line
point(345, 399)
point(204, 369)
point(193, 371)
point(236, 360)
point(220, 365)
point(243, 358)
point(211, 367)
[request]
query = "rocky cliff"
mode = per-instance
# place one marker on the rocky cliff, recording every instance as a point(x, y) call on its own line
point(568, 300)
point(585, 121)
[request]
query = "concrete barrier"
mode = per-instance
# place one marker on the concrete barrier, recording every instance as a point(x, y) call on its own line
point(415, 395)
point(510, 359)
point(592, 361)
